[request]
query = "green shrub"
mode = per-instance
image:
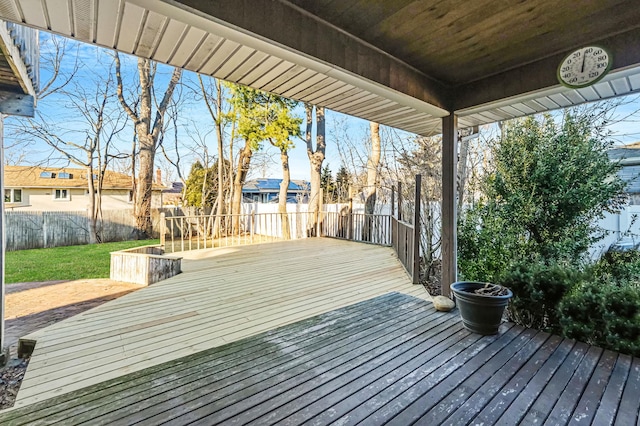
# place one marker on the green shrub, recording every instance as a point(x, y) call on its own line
point(537, 289)
point(605, 314)
point(618, 266)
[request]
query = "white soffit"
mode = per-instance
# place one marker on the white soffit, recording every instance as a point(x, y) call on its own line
point(169, 34)
point(619, 83)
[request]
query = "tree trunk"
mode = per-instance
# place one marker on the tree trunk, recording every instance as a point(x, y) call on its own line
point(462, 170)
point(372, 180)
point(282, 196)
point(316, 158)
point(93, 229)
point(149, 132)
point(219, 206)
point(244, 162)
point(145, 183)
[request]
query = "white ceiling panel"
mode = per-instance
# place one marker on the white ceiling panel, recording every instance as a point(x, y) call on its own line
point(9, 11)
point(634, 81)
point(107, 23)
point(548, 102)
point(330, 90)
point(534, 105)
point(272, 74)
point(524, 108)
point(130, 28)
point(264, 67)
point(278, 84)
point(239, 57)
point(621, 85)
point(222, 52)
point(172, 37)
point(314, 78)
point(291, 79)
point(190, 43)
point(604, 89)
point(252, 62)
point(343, 93)
point(314, 88)
point(34, 13)
point(575, 97)
point(151, 32)
point(352, 101)
point(561, 100)
point(589, 93)
point(59, 16)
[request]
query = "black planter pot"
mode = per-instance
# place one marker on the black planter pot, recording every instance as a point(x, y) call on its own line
point(480, 314)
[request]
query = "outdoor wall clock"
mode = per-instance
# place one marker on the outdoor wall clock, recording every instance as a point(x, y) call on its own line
point(584, 67)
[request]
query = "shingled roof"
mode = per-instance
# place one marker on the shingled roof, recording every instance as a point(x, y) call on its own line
point(65, 177)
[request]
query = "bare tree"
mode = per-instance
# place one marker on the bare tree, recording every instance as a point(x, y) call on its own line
point(370, 191)
point(149, 128)
point(84, 132)
point(316, 158)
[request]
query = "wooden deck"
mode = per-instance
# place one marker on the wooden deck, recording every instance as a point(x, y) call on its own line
point(223, 295)
point(388, 360)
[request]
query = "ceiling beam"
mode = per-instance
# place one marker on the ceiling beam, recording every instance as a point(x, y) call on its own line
point(299, 31)
point(541, 75)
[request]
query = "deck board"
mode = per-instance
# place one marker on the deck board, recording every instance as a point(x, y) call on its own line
point(222, 296)
point(392, 359)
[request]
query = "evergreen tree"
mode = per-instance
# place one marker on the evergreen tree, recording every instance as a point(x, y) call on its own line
point(343, 180)
point(328, 185)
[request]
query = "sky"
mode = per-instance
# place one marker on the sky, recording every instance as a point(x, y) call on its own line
point(194, 122)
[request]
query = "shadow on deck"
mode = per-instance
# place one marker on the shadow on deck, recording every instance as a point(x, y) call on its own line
point(389, 360)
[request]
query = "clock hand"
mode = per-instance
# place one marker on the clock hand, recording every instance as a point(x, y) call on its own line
point(582, 68)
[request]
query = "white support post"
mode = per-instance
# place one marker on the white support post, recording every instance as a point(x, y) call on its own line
point(449, 214)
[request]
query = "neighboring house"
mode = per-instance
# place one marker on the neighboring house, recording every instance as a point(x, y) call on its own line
point(51, 188)
point(172, 196)
point(266, 190)
point(622, 229)
point(629, 157)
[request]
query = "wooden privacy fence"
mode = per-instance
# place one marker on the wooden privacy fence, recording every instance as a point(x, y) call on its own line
point(43, 229)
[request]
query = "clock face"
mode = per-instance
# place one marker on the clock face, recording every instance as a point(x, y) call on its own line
point(584, 67)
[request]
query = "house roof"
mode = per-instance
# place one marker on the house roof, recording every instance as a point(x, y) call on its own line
point(273, 185)
point(174, 188)
point(31, 177)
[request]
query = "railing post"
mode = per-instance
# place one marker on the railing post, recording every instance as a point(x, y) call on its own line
point(318, 214)
point(393, 201)
point(163, 229)
point(416, 232)
point(253, 224)
point(399, 200)
point(350, 224)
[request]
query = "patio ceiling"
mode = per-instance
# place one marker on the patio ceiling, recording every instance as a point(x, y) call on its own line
point(402, 63)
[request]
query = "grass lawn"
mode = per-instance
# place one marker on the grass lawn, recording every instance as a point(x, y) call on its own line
point(64, 263)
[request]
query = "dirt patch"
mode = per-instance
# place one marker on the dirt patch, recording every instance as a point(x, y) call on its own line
point(32, 306)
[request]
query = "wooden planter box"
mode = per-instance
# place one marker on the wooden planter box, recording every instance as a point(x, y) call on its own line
point(143, 265)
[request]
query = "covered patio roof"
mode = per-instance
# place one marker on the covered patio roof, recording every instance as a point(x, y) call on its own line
point(402, 63)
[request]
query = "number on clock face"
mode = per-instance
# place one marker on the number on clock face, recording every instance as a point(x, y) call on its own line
point(584, 67)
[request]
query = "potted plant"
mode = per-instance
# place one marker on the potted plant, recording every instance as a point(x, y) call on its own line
point(481, 305)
